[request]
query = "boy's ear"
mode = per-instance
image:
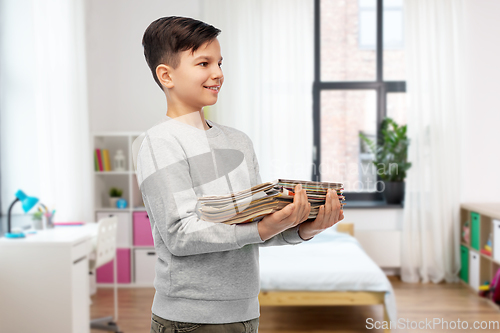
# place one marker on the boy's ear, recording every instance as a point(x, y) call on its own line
point(163, 74)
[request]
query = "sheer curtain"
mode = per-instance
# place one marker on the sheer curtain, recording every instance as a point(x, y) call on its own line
point(268, 51)
point(64, 153)
point(431, 218)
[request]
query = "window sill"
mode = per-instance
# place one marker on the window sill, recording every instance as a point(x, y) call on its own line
point(354, 204)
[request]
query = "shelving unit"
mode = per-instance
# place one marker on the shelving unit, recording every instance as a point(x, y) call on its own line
point(477, 267)
point(135, 254)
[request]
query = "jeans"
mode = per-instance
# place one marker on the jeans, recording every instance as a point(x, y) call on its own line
point(160, 325)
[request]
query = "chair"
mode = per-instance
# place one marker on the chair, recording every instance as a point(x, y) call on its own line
point(105, 251)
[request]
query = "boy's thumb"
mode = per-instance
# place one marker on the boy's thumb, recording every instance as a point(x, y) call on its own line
point(290, 208)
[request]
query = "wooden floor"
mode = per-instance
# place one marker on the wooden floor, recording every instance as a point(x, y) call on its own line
point(415, 302)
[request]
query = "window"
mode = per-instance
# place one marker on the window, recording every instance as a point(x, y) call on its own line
point(393, 24)
point(358, 80)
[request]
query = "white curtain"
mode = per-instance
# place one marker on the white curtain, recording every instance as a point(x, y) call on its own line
point(268, 50)
point(64, 153)
point(431, 218)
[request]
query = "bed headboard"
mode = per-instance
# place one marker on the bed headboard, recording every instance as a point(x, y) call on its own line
point(348, 228)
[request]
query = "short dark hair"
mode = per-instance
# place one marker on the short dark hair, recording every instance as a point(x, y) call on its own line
point(167, 36)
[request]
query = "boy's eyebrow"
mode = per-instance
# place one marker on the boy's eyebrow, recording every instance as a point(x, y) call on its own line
point(206, 57)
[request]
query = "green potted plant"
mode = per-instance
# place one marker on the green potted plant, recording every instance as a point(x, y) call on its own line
point(115, 194)
point(391, 154)
point(37, 220)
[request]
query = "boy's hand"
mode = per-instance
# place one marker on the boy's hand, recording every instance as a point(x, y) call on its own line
point(329, 214)
point(288, 217)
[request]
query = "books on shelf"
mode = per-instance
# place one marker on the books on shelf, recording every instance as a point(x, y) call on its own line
point(101, 160)
point(264, 199)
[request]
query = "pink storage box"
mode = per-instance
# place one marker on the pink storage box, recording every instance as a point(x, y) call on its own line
point(142, 230)
point(105, 272)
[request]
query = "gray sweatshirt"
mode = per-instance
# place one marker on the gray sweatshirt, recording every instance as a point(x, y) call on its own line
point(205, 272)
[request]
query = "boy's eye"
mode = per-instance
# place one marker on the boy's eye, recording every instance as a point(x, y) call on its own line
point(207, 63)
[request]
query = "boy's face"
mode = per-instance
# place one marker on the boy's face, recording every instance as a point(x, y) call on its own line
point(187, 85)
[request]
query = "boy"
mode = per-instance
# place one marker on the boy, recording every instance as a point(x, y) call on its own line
point(207, 274)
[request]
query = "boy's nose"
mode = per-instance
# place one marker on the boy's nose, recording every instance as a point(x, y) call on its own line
point(217, 74)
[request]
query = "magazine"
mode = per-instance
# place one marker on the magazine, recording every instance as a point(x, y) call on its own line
point(264, 199)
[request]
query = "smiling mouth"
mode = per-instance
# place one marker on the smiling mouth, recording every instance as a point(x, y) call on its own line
point(214, 89)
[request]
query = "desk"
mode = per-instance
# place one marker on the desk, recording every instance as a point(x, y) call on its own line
point(44, 281)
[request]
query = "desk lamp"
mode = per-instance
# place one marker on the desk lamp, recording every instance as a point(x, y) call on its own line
point(28, 203)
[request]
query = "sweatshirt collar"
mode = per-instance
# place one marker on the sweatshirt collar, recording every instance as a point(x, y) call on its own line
point(211, 132)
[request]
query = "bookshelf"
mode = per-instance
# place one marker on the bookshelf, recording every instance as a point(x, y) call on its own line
point(484, 222)
point(135, 254)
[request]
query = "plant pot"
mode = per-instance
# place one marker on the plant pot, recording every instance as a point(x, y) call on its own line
point(112, 201)
point(37, 224)
point(394, 192)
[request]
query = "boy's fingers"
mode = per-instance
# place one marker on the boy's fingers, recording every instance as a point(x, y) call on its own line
point(297, 200)
point(308, 211)
point(296, 205)
point(292, 218)
point(321, 213)
point(336, 212)
point(297, 196)
point(341, 213)
point(285, 212)
point(305, 213)
point(306, 203)
point(328, 205)
point(298, 187)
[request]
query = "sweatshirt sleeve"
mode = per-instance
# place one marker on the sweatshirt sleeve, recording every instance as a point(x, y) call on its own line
point(163, 173)
point(288, 237)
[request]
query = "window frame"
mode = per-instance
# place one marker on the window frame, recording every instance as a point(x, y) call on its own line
point(381, 87)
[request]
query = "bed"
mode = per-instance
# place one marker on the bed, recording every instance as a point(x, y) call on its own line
point(330, 270)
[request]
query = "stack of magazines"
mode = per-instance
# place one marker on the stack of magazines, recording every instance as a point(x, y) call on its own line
point(264, 199)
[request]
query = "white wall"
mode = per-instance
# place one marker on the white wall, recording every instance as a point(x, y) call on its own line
point(481, 133)
point(123, 95)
